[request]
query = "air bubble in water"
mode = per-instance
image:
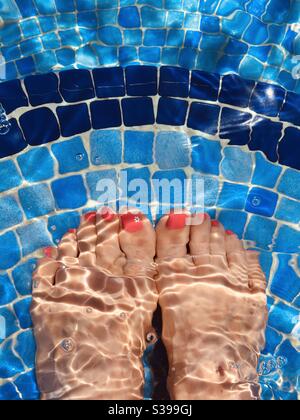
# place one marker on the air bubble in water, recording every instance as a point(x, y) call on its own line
point(79, 157)
point(256, 201)
point(67, 345)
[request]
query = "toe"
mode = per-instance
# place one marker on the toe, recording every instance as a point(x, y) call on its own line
point(200, 237)
point(44, 276)
point(236, 256)
point(87, 238)
point(172, 236)
point(217, 239)
point(108, 252)
point(257, 279)
point(68, 246)
point(137, 241)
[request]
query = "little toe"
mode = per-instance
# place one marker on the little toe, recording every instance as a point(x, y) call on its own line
point(87, 238)
point(200, 237)
point(137, 241)
point(172, 236)
point(108, 252)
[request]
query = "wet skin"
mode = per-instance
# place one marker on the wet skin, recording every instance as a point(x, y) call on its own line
point(94, 298)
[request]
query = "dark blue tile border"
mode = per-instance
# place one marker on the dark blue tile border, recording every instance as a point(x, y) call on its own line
point(212, 108)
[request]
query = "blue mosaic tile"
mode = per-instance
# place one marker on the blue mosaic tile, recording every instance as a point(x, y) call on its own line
point(141, 80)
point(10, 323)
point(13, 141)
point(177, 196)
point(288, 210)
point(27, 386)
point(211, 189)
point(204, 117)
point(22, 276)
point(36, 165)
point(204, 86)
point(149, 54)
point(106, 114)
point(153, 18)
point(288, 240)
point(233, 196)
point(138, 111)
point(12, 95)
point(59, 224)
point(172, 150)
point(267, 99)
point(93, 179)
point(261, 231)
point(155, 37)
point(138, 147)
point(10, 212)
point(290, 110)
point(234, 221)
point(11, 365)
point(71, 155)
point(289, 148)
point(73, 119)
point(46, 8)
point(236, 91)
point(237, 165)
point(22, 310)
point(283, 318)
point(42, 89)
point(129, 17)
point(109, 82)
point(290, 184)
point(33, 237)
point(76, 85)
point(9, 175)
point(261, 201)
point(265, 174)
point(106, 147)
point(235, 126)
point(289, 352)
point(33, 124)
point(174, 81)
point(142, 174)
point(9, 392)
point(69, 193)
point(286, 290)
point(206, 155)
point(175, 38)
point(10, 253)
point(26, 7)
point(7, 290)
point(273, 339)
point(36, 200)
point(265, 135)
point(134, 37)
point(172, 111)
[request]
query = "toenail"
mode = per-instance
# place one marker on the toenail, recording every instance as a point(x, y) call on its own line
point(176, 221)
point(72, 230)
point(107, 214)
point(90, 217)
point(229, 232)
point(48, 251)
point(132, 222)
point(215, 223)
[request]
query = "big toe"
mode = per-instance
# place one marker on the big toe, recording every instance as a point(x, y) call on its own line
point(137, 241)
point(172, 236)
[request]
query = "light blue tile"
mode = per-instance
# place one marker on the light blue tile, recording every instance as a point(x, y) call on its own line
point(233, 196)
point(9, 251)
point(237, 165)
point(101, 183)
point(106, 147)
point(206, 155)
point(172, 150)
point(261, 231)
point(71, 155)
point(34, 236)
point(290, 183)
point(59, 224)
point(22, 276)
point(10, 212)
point(36, 200)
point(138, 147)
point(266, 173)
point(288, 210)
point(36, 165)
point(288, 240)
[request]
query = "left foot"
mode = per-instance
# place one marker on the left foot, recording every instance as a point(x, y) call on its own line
point(93, 302)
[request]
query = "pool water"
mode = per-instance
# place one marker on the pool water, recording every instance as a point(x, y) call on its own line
point(215, 99)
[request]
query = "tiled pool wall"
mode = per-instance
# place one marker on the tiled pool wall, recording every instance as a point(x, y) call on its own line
point(153, 124)
point(257, 39)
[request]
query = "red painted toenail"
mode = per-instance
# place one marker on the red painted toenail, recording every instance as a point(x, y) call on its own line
point(72, 230)
point(176, 221)
point(229, 232)
point(48, 251)
point(215, 223)
point(90, 217)
point(107, 214)
point(132, 222)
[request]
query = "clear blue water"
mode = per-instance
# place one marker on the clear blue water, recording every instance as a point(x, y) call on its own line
point(216, 99)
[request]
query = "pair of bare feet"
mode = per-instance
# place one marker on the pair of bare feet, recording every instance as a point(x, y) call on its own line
point(95, 295)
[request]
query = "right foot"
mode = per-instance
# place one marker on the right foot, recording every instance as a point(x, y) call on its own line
point(212, 295)
point(93, 302)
